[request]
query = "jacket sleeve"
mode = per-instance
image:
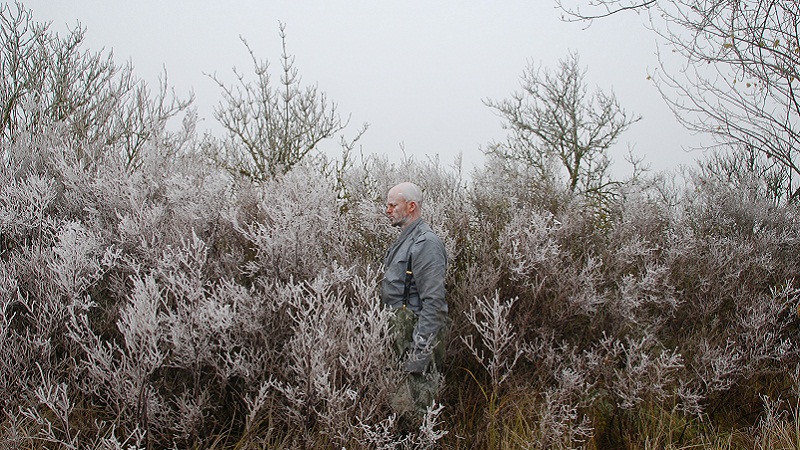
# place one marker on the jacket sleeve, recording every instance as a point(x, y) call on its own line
point(429, 265)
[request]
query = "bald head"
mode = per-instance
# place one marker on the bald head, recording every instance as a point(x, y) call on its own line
point(404, 204)
point(409, 191)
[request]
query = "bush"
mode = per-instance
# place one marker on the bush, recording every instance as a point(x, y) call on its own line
point(171, 304)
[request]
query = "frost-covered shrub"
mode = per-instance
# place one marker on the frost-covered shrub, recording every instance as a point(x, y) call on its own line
point(49, 265)
point(670, 299)
point(175, 299)
point(729, 259)
point(52, 85)
point(185, 343)
point(168, 304)
point(337, 364)
point(296, 230)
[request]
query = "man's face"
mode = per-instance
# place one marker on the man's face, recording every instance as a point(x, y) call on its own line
point(397, 209)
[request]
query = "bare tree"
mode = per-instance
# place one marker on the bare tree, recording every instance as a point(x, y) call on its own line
point(741, 73)
point(749, 172)
point(271, 128)
point(597, 9)
point(48, 79)
point(554, 121)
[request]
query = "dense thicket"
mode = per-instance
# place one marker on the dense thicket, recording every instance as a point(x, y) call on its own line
point(170, 304)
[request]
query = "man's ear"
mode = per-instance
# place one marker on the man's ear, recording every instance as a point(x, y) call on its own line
point(411, 206)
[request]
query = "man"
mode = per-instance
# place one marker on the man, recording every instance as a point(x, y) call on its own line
point(413, 286)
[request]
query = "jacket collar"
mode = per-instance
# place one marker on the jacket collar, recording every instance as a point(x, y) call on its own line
point(411, 229)
point(404, 235)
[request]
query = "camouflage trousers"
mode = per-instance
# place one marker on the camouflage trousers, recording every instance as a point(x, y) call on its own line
point(417, 391)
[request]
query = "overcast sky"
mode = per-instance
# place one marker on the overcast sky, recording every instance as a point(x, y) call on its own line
point(416, 71)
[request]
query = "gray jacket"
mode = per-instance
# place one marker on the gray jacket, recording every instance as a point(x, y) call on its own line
point(427, 292)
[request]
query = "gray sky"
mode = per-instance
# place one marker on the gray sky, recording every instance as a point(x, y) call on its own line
point(416, 71)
